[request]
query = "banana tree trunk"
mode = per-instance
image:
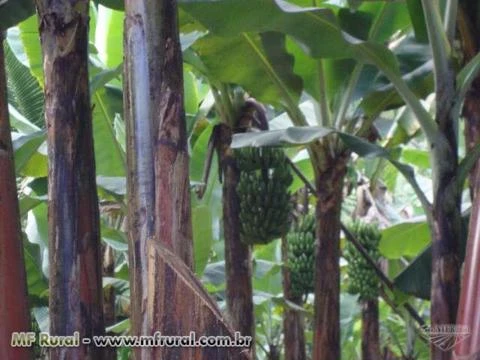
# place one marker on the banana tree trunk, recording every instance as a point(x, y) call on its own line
point(469, 306)
point(140, 161)
point(293, 321)
point(329, 176)
point(447, 230)
point(447, 222)
point(468, 318)
point(238, 262)
point(173, 223)
point(158, 183)
point(370, 330)
point(75, 254)
point(165, 295)
point(14, 310)
point(469, 35)
point(157, 130)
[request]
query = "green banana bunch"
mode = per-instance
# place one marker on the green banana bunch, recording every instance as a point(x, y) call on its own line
point(301, 255)
point(363, 279)
point(263, 193)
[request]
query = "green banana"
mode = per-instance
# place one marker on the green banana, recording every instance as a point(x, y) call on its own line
point(263, 193)
point(362, 278)
point(301, 255)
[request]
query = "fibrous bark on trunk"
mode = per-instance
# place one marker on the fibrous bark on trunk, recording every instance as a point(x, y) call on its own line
point(165, 295)
point(370, 330)
point(14, 310)
point(185, 308)
point(329, 176)
point(469, 306)
point(173, 224)
point(469, 36)
point(468, 318)
point(74, 236)
point(445, 261)
point(158, 184)
point(447, 226)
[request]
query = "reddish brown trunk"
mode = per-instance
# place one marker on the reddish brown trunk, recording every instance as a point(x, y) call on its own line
point(158, 190)
point(140, 176)
point(330, 173)
point(166, 297)
point(238, 264)
point(370, 330)
point(75, 259)
point(447, 229)
point(469, 35)
point(471, 113)
point(190, 309)
point(446, 226)
point(13, 296)
point(468, 311)
point(468, 318)
point(274, 353)
point(173, 224)
point(293, 321)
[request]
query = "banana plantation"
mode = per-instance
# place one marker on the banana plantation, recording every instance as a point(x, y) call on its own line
point(240, 179)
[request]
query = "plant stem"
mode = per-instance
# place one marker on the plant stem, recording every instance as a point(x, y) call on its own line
point(238, 257)
point(346, 99)
point(450, 21)
point(14, 310)
point(325, 117)
point(76, 293)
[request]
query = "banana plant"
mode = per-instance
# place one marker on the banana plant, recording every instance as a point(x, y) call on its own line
point(469, 20)
point(330, 142)
point(14, 309)
point(74, 230)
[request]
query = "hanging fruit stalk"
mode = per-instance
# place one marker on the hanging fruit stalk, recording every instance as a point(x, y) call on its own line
point(361, 250)
point(301, 256)
point(251, 177)
point(14, 310)
point(293, 321)
point(263, 193)
point(263, 196)
point(74, 247)
point(365, 283)
point(238, 262)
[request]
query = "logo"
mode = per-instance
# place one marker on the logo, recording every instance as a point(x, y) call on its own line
point(445, 337)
